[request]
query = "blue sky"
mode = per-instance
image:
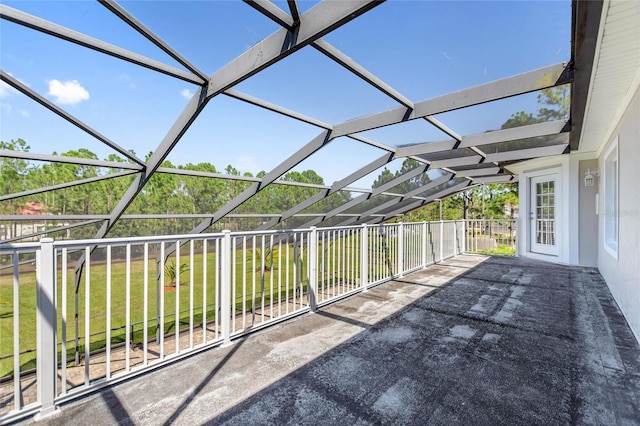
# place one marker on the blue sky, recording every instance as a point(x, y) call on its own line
point(421, 48)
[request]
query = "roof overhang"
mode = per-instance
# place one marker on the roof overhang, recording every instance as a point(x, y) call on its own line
point(585, 24)
point(607, 69)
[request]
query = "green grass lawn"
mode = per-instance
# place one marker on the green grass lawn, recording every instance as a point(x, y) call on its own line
point(501, 250)
point(245, 269)
point(98, 301)
point(505, 245)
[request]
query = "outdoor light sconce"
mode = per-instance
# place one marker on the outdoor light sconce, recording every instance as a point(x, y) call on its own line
point(590, 177)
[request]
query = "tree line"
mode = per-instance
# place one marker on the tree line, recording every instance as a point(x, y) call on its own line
point(176, 194)
point(165, 193)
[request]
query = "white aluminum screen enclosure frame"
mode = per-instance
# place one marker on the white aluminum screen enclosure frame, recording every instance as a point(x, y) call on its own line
point(458, 171)
point(299, 31)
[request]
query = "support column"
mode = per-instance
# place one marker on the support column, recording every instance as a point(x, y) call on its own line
point(46, 326)
point(364, 258)
point(441, 240)
point(455, 238)
point(464, 236)
point(225, 287)
point(514, 223)
point(424, 244)
point(401, 249)
point(313, 272)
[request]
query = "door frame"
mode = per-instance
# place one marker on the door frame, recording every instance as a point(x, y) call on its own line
point(534, 246)
point(560, 172)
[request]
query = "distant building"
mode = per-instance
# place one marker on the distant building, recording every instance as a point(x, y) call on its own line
point(32, 229)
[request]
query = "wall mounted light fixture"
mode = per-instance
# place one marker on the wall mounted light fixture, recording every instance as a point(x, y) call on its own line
point(590, 177)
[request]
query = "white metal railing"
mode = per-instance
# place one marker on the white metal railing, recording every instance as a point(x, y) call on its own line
point(143, 302)
point(492, 236)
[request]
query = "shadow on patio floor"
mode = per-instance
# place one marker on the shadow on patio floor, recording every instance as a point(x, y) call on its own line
point(504, 341)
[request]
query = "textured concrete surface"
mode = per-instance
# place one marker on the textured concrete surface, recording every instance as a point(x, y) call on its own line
point(470, 341)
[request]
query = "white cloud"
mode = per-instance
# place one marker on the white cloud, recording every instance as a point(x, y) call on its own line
point(187, 94)
point(127, 80)
point(8, 110)
point(5, 108)
point(67, 92)
point(5, 89)
point(247, 164)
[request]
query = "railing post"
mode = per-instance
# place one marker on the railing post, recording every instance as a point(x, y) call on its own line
point(158, 266)
point(313, 273)
point(46, 326)
point(514, 223)
point(424, 244)
point(471, 236)
point(225, 287)
point(401, 249)
point(364, 258)
point(441, 240)
point(455, 239)
point(464, 236)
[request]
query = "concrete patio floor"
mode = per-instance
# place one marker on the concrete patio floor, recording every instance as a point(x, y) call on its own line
point(472, 340)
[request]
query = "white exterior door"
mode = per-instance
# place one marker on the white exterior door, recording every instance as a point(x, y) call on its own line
point(544, 213)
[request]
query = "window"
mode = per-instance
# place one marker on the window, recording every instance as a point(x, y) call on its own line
point(611, 199)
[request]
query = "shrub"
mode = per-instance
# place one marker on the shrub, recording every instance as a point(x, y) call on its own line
point(170, 272)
